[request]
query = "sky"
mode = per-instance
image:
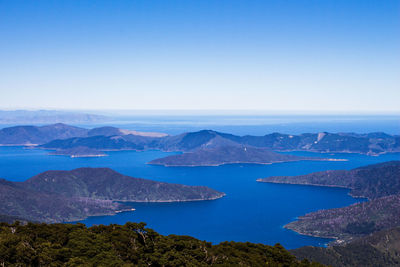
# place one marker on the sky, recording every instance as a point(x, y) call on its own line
point(293, 55)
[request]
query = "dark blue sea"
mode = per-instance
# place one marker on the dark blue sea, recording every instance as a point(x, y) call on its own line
point(250, 211)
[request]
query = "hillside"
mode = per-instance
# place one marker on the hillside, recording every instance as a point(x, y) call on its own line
point(102, 142)
point(372, 181)
point(26, 135)
point(226, 155)
point(18, 201)
point(39, 135)
point(104, 183)
point(373, 143)
point(379, 182)
point(112, 138)
point(129, 245)
point(378, 249)
point(58, 196)
point(350, 222)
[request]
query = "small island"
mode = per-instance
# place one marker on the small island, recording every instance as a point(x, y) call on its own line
point(79, 152)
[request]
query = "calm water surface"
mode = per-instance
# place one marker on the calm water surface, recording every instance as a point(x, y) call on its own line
point(251, 211)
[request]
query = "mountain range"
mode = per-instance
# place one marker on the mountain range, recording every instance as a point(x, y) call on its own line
point(202, 148)
point(68, 136)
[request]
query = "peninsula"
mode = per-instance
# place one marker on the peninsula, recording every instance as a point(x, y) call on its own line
point(59, 196)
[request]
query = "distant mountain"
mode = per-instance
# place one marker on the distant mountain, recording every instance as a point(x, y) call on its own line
point(39, 135)
point(104, 183)
point(105, 131)
point(373, 143)
point(27, 135)
point(220, 155)
point(372, 181)
point(47, 117)
point(58, 196)
point(378, 249)
point(111, 131)
point(79, 152)
point(100, 142)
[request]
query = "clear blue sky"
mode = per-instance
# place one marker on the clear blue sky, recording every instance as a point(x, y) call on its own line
point(326, 55)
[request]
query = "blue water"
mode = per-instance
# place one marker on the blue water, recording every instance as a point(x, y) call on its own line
point(251, 211)
point(258, 125)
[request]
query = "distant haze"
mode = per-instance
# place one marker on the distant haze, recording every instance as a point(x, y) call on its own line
point(296, 55)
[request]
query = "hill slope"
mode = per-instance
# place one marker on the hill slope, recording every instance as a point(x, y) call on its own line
point(373, 143)
point(350, 222)
point(378, 249)
point(104, 183)
point(226, 155)
point(129, 245)
point(19, 201)
point(25, 135)
point(372, 181)
point(58, 196)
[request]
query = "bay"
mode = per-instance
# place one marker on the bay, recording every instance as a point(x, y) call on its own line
point(251, 211)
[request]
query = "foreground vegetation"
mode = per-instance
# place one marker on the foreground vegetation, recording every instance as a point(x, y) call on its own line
point(129, 245)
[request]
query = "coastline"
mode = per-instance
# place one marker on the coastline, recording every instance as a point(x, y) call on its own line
point(242, 162)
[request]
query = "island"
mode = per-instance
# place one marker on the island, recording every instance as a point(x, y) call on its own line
point(79, 152)
point(233, 154)
point(60, 196)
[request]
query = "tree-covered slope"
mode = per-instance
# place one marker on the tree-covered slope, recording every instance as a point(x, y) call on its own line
point(373, 181)
point(129, 245)
point(18, 201)
point(104, 183)
point(378, 249)
point(351, 222)
point(226, 155)
point(20, 135)
point(59, 196)
point(111, 138)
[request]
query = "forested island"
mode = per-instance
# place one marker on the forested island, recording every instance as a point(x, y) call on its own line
point(60, 196)
point(228, 155)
